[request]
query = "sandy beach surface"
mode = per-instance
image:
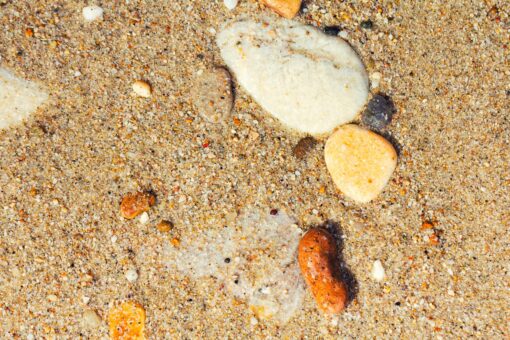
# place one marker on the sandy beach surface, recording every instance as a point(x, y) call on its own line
point(440, 228)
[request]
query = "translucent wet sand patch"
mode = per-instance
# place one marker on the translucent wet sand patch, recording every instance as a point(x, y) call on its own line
point(255, 260)
point(18, 98)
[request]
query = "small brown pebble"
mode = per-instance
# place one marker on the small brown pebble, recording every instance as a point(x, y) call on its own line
point(165, 226)
point(303, 147)
point(133, 204)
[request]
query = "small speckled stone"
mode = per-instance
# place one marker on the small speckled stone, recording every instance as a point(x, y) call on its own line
point(367, 24)
point(212, 94)
point(360, 162)
point(90, 319)
point(379, 112)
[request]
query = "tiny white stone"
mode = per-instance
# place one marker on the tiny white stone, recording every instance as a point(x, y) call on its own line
point(375, 80)
point(114, 239)
point(142, 88)
point(230, 4)
point(343, 34)
point(91, 13)
point(30, 337)
point(254, 321)
point(85, 299)
point(378, 271)
point(131, 275)
point(144, 217)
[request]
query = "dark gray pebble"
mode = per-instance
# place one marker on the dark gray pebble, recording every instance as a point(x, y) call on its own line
point(379, 112)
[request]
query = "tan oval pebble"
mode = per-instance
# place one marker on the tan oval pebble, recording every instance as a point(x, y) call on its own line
point(142, 88)
point(90, 319)
point(286, 8)
point(212, 94)
point(360, 162)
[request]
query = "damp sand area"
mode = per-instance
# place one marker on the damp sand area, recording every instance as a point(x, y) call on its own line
point(149, 187)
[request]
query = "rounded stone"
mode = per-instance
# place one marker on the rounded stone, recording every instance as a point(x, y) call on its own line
point(379, 112)
point(360, 162)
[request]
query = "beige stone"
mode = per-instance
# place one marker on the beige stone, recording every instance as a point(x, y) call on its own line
point(91, 319)
point(360, 162)
point(142, 88)
point(286, 8)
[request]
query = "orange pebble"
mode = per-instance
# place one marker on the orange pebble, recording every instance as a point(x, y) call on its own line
point(133, 205)
point(127, 321)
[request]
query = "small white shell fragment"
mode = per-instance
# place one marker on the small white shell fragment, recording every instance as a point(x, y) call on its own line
point(144, 218)
point(308, 80)
point(18, 98)
point(378, 273)
point(142, 88)
point(131, 275)
point(230, 4)
point(91, 13)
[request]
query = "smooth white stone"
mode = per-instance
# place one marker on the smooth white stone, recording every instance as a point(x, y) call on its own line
point(310, 81)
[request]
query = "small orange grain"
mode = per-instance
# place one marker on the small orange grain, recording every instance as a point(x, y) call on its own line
point(29, 33)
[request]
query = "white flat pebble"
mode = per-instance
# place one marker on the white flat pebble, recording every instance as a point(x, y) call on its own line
point(230, 4)
point(91, 13)
point(360, 162)
point(310, 81)
point(142, 88)
point(18, 98)
point(131, 275)
point(378, 273)
point(144, 218)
